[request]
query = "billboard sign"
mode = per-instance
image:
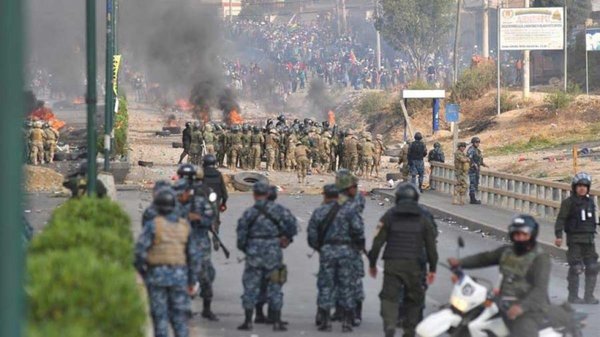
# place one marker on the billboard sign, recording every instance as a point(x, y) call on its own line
point(539, 28)
point(592, 39)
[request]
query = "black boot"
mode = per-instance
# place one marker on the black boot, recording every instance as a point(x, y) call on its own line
point(573, 286)
point(337, 314)
point(271, 318)
point(260, 315)
point(347, 320)
point(390, 333)
point(474, 200)
point(247, 325)
point(319, 316)
point(357, 320)
point(590, 285)
point(207, 313)
point(278, 325)
point(325, 324)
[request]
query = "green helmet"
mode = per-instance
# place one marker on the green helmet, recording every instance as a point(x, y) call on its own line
point(344, 179)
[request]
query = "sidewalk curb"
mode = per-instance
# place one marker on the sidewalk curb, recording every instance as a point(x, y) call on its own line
point(474, 225)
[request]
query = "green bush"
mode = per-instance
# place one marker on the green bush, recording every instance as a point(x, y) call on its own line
point(54, 329)
point(372, 102)
point(474, 82)
point(121, 127)
point(76, 288)
point(64, 235)
point(506, 102)
point(574, 88)
point(558, 99)
point(99, 212)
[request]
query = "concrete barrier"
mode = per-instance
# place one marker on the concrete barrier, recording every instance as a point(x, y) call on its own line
point(512, 192)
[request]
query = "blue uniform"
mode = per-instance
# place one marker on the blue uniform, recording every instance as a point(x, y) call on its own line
point(258, 237)
point(167, 284)
point(476, 162)
point(336, 255)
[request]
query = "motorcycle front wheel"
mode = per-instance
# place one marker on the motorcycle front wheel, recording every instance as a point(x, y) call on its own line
point(461, 331)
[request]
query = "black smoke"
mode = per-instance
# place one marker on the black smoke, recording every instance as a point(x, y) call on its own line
point(320, 99)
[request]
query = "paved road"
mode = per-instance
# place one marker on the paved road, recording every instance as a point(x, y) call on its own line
point(300, 291)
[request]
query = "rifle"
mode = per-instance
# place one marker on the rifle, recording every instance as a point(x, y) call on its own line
point(324, 226)
point(218, 240)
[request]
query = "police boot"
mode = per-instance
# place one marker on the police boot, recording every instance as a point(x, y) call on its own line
point(325, 324)
point(474, 200)
point(260, 315)
point(347, 319)
point(207, 313)
point(247, 325)
point(271, 317)
point(278, 325)
point(590, 285)
point(573, 286)
point(319, 316)
point(357, 319)
point(337, 314)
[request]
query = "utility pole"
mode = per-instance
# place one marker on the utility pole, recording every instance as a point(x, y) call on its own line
point(457, 39)
point(344, 19)
point(526, 64)
point(109, 95)
point(230, 11)
point(486, 28)
point(91, 97)
point(378, 35)
point(11, 223)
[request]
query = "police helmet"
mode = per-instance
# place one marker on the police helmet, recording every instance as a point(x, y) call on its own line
point(330, 191)
point(186, 170)
point(272, 193)
point(256, 129)
point(235, 128)
point(209, 160)
point(407, 192)
point(581, 178)
point(524, 223)
point(462, 144)
point(475, 140)
point(437, 145)
point(160, 184)
point(260, 188)
point(188, 124)
point(418, 136)
point(164, 201)
point(281, 118)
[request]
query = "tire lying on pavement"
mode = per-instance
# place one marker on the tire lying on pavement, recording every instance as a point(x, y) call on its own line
point(145, 163)
point(163, 133)
point(393, 176)
point(245, 180)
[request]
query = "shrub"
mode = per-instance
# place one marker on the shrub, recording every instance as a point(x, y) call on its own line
point(506, 102)
point(558, 99)
point(121, 126)
point(474, 82)
point(53, 329)
point(574, 88)
point(76, 288)
point(372, 102)
point(64, 235)
point(98, 212)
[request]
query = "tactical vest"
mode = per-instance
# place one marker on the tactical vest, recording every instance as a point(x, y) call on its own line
point(436, 155)
point(300, 151)
point(581, 217)
point(461, 165)
point(235, 139)
point(209, 138)
point(368, 149)
point(170, 241)
point(37, 135)
point(475, 154)
point(514, 269)
point(256, 139)
point(416, 151)
point(270, 141)
point(51, 135)
point(246, 140)
point(350, 145)
point(405, 236)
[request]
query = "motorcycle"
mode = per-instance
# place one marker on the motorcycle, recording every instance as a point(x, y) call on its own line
point(475, 310)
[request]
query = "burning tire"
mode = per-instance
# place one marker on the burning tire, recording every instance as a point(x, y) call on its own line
point(245, 180)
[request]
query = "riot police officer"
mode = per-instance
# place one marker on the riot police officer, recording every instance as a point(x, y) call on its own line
point(416, 152)
point(577, 218)
point(407, 232)
point(186, 140)
point(474, 153)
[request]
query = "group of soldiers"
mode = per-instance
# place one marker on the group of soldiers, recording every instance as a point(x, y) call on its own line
point(301, 146)
point(41, 140)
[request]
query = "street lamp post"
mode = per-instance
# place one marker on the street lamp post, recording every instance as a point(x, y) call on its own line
point(109, 95)
point(91, 97)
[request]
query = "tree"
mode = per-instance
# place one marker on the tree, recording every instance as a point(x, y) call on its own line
point(417, 28)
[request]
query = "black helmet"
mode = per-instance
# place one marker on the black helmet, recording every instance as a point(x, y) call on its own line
point(186, 170)
point(437, 145)
point(235, 128)
point(272, 193)
point(524, 223)
point(418, 136)
point(331, 191)
point(160, 184)
point(260, 188)
point(475, 140)
point(281, 118)
point(164, 201)
point(209, 160)
point(407, 192)
point(188, 124)
point(255, 129)
point(581, 178)
point(462, 144)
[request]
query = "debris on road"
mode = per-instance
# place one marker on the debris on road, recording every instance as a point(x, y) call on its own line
point(42, 179)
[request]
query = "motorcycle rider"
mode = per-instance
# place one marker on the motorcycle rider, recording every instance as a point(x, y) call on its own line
point(577, 218)
point(525, 269)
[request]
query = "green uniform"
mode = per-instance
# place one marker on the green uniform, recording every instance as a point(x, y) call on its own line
point(525, 280)
point(256, 142)
point(245, 157)
point(577, 218)
point(210, 139)
point(461, 167)
point(407, 232)
point(403, 159)
point(196, 147)
point(234, 144)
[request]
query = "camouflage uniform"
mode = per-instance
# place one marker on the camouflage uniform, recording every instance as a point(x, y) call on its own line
point(351, 152)
point(290, 158)
point(36, 144)
point(234, 144)
point(315, 145)
point(461, 166)
point(168, 272)
point(476, 156)
point(403, 159)
point(302, 162)
point(325, 152)
point(50, 143)
point(246, 141)
point(196, 146)
point(258, 238)
point(210, 139)
point(367, 153)
point(256, 142)
point(220, 148)
point(336, 253)
point(271, 146)
point(379, 148)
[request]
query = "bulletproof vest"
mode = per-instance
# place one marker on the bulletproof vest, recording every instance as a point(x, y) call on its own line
point(350, 146)
point(37, 135)
point(270, 141)
point(245, 140)
point(582, 216)
point(436, 155)
point(475, 155)
point(255, 139)
point(514, 269)
point(300, 151)
point(462, 166)
point(170, 241)
point(212, 178)
point(50, 135)
point(367, 149)
point(236, 139)
point(405, 234)
point(209, 138)
point(416, 150)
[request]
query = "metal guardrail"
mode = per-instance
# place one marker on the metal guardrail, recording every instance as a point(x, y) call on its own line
point(513, 192)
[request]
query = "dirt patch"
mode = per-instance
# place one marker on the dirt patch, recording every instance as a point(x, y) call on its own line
point(42, 179)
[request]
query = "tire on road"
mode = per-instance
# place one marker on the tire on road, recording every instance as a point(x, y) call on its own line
point(393, 176)
point(145, 163)
point(245, 180)
point(163, 133)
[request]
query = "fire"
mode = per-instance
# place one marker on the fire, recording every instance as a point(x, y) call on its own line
point(331, 116)
point(235, 117)
point(78, 100)
point(46, 114)
point(172, 121)
point(184, 105)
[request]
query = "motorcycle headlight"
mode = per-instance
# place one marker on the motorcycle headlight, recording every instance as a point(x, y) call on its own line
point(459, 303)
